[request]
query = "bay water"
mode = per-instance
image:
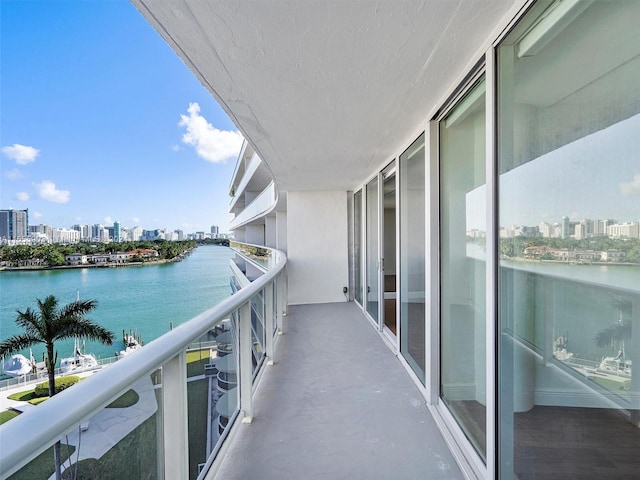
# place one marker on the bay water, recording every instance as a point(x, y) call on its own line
point(143, 299)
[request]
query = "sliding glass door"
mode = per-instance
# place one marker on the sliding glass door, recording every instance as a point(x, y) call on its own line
point(373, 251)
point(569, 216)
point(463, 265)
point(412, 256)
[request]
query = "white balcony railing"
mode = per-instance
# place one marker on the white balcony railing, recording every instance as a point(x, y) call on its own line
point(261, 205)
point(31, 433)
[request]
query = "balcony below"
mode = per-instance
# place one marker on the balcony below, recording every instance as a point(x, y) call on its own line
point(337, 404)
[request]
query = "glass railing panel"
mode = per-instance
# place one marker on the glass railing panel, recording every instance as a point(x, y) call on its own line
point(123, 440)
point(257, 331)
point(201, 393)
point(212, 386)
point(259, 255)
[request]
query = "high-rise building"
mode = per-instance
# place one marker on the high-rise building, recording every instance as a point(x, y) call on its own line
point(117, 234)
point(14, 224)
point(566, 228)
point(215, 231)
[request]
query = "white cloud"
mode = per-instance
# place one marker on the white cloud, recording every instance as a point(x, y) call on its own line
point(108, 221)
point(632, 187)
point(36, 214)
point(13, 174)
point(210, 143)
point(48, 191)
point(22, 154)
point(22, 196)
point(135, 220)
point(175, 148)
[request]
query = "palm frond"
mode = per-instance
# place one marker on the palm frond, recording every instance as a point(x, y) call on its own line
point(48, 309)
point(29, 320)
point(612, 334)
point(78, 308)
point(18, 342)
point(83, 327)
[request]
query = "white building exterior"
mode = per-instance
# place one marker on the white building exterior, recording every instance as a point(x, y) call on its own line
point(378, 134)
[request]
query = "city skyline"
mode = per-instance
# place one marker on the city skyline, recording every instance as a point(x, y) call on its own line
point(102, 125)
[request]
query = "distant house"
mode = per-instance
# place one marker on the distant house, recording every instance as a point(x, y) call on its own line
point(75, 259)
point(143, 253)
point(98, 258)
point(119, 257)
point(612, 256)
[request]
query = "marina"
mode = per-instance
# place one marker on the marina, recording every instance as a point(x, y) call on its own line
point(143, 301)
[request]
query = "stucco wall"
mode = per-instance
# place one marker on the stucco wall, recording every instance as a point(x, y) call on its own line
point(317, 246)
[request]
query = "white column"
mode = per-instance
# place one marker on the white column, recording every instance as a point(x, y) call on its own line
point(175, 421)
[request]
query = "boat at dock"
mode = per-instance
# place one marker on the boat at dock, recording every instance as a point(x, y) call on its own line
point(131, 345)
point(79, 362)
point(17, 366)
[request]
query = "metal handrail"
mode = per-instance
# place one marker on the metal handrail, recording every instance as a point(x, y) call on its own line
point(47, 423)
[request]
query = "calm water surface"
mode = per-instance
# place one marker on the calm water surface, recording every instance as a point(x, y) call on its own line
point(143, 299)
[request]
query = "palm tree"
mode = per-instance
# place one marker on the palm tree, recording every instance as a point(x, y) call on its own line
point(49, 324)
point(615, 335)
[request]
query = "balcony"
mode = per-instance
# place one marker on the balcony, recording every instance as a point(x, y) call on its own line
point(337, 404)
point(333, 402)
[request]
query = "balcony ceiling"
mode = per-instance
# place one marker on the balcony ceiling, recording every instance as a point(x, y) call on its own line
point(327, 91)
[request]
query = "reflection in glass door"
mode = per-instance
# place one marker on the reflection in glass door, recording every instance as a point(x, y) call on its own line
point(412, 256)
point(463, 265)
point(373, 254)
point(569, 272)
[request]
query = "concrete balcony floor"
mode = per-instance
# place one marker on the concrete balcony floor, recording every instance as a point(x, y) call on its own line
point(337, 405)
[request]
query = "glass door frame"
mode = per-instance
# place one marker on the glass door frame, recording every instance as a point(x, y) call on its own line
point(470, 462)
point(389, 171)
point(378, 254)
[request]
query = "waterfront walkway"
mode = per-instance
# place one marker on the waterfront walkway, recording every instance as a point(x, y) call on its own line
point(337, 404)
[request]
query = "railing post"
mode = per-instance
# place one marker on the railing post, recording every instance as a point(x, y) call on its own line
point(174, 418)
point(246, 363)
point(269, 323)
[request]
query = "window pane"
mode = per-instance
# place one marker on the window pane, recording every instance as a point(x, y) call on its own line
point(569, 212)
point(412, 256)
point(373, 277)
point(462, 265)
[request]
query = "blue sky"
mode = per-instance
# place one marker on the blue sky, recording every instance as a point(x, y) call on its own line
point(596, 177)
point(101, 121)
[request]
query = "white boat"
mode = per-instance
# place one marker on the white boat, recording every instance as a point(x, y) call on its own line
point(78, 362)
point(131, 345)
point(17, 366)
point(617, 365)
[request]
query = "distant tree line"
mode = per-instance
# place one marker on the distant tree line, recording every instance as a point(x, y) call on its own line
point(54, 255)
point(223, 242)
point(514, 247)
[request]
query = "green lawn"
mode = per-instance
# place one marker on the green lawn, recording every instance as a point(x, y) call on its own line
point(7, 415)
point(127, 399)
point(197, 417)
point(24, 396)
point(135, 456)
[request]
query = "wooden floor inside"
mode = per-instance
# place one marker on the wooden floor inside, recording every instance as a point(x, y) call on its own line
point(566, 442)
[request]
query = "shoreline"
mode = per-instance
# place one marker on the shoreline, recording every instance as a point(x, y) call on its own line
point(178, 258)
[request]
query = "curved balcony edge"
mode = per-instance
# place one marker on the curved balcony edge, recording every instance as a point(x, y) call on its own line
point(51, 420)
